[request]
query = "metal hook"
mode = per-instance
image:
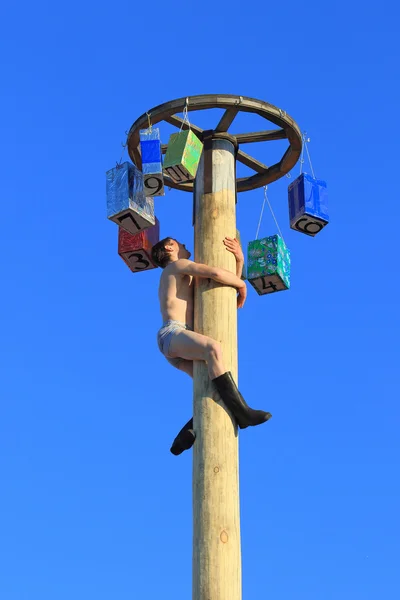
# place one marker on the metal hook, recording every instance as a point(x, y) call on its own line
point(185, 113)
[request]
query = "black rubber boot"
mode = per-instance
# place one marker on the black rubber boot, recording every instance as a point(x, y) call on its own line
point(184, 440)
point(244, 415)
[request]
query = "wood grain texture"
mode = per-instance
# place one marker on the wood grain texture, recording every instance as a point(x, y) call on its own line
point(216, 528)
point(261, 136)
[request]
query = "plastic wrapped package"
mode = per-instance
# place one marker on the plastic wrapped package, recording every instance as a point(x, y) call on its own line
point(308, 204)
point(150, 148)
point(127, 204)
point(268, 265)
point(135, 250)
point(183, 156)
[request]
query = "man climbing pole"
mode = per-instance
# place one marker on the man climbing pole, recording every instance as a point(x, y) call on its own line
point(176, 338)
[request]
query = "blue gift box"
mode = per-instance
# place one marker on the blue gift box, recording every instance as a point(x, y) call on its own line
point(308, 210)
point(127, 204)
point(150, 148)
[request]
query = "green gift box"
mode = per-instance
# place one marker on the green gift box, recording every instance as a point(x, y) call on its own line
point(268, 265)
point(183, 156)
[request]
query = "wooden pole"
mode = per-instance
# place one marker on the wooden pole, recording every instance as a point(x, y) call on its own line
point(216, 518)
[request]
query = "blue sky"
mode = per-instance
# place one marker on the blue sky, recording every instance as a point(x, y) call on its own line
point(92, 503)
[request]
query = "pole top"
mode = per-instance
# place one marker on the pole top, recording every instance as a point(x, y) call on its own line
point(214, 135)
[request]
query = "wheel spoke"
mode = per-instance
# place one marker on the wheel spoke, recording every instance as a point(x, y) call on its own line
point(271, 174)
point(226, 120)
point(251, 162)
point(261, 136)
point(178, 122)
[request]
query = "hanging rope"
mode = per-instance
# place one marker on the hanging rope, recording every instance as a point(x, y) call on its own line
point(185, 115)
point(150, 127)
point(309, 160)
point(272, 213)
point(305, 145)
point(262, 210)
point(122, 155)
point(124, 146)
point(302, 156)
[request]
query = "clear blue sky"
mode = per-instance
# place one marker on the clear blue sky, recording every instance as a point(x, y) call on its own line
point(92, 503)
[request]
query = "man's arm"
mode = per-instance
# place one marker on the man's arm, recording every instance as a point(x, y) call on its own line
point(188, 267)
point(239, 268)
point(232, 244)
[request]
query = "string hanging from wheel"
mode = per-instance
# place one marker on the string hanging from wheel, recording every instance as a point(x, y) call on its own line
point(150, 126)
point(124, 147)
point(185, 113)
point(306, 141)
point(266, 200)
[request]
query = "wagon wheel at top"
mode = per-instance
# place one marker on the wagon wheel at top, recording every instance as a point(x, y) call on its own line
point(288, 129)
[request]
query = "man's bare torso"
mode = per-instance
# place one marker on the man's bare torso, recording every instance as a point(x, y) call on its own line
point(175, 293)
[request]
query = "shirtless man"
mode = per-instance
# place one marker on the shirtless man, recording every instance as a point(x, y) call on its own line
point(176, 338)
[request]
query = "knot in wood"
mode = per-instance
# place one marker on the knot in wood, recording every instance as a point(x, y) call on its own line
point(223, 536)
point(216, 469)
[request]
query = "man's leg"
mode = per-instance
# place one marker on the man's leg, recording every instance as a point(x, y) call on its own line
point(186, 366)
point(191, 346)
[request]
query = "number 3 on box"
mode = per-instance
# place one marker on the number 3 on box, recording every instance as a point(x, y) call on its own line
point(139, 259)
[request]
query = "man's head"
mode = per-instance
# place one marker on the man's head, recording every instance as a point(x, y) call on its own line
point(167, 251)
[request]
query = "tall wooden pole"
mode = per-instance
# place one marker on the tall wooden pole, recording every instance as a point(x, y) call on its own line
point(216, 529)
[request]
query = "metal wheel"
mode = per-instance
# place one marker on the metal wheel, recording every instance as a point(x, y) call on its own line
point(264, 175)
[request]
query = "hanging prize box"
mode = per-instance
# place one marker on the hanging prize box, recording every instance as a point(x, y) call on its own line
point(308, 210)
point(183, 156)
point(150, 148)
point(127, 204)
point(243, 275)
point(135, 250)
point(268, 265)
